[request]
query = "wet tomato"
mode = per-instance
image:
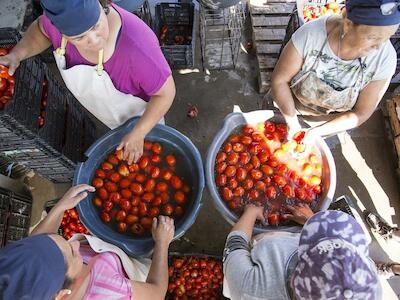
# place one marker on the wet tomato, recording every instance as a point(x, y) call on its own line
point(238, 147)
point(147, 145)
point(253, 194)
point(164, 197)
point(122, 227)
point(137, 229)
point(300, 194)
point(125, 204)
point(97, 183)
point(244, 158)
point(230, 171)
point(255, 162)
point(147, 197)
point(279, 180)
point(260, 185)
point(107, 205)
point(105, 217)
point(221, 157)
point(154, 212)
point(114, 177)
point(100, 173)
point(119, 154)
point(269, 127)
point(156, 201)
point(248, 129)
point(106, 166)
point(97, 202)
point(110, 187)
point(288, 191)
point(176, 182)
point(102, 193)
point(254, 149)
point(220, 167)
point(241, 174)
point(155, 158)
point(123, 170)
point(232, 183)
point(140, 178)
point(220, 180)
point(267, 170)
point(161, 187)
point(170, 160)
point(155, 172)
point(143, 162)
point(166, 174)
point(238, 192)
point(227, 147)
point(168, 209)
point(114, 197)
point(273, 219)
point(131, 219)
point(247, 184)
point(133, 168)
point(263, 156)
point(124, 183)
point(227, 194)
point(180, 197)
point(136, 188)
point(256, 174)
point(112, 159)
point(270, 192)
point(178, 211)
point(120, 216)
point(143, 209)
point(156, 148)
point(232, 158)
point(281, 169)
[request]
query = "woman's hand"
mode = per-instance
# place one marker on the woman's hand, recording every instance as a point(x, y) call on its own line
point(163, 230)
point(73, 196)
point(257, 211)
point(11, 61)
point(293, 128)
point(299, 213)
point(132, 143)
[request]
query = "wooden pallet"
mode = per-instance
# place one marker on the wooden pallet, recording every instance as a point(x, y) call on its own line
point(393, 109)
point(269, 20)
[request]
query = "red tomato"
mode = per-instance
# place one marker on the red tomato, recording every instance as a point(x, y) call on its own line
point(238, 192)
point(125, 204)
point(241, 174)
point(270, 192)
point(256, 174)
point(134, 210)
point(125, 193)
point(267, 170)
point(155, 158)
point(246, 140)
point(178, 211)
point(115, 197)
point(122, 227)
point(147, 197)
point(226, 194)
point(282, 130)
point(279, 180)
point(107, 205)
point(269, 126)
point(164, 197)
point(317, 189)
point(123, 170)
point(170, 160)
point(155, 172)
point(256, 137)
point(154, 212)
point(3, 84)
point(247, 184)
point(227, 147)
point(232, 183)
point(220, 167)
point(162, 187)
point(299, 136)
point(238, 147)
point(230, 171)
point(168, 209)
point(102, 193)
point(137, 229)
point(143, 162)
point(100, 173)
point(97, 183)
point(124, 183)
point(114, 177)
point(288, 191)
point(136, 188)
point(232, 158)
point(166, 174)
point(140, 178)
point(133, 168)
point(112, 159)
point(254, 148)
point(130, 219)
point(253, 194)
point(180, 197)
point(255, 162)
point(97, 202)
point(147, 145)
point(273, 162)
point(281, 169)
point(263, 156)
point(260, 185)
point(233, 138)
point(135, 201)
point(220, 180)
point(244, 158)
point(106, 166)
point(143, 209)
point(300, 194)
point(150, 185)
point(232, 205)
point(221, 157)
point(110, 187)
point(273, 219)
point(121, 216)
point(105, 217)
point(157, 148)
point(156, 201)
point(176, 182)
point(248, 129)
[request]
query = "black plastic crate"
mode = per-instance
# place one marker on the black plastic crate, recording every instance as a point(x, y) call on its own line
point(174, 27)
point(15, 213)
point(74, 129)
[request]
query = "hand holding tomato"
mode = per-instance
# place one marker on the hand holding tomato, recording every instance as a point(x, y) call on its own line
point(163, 230)
point(293, 128)
point(132, 143)
point(11, 61)
point(73, 196)
point(257, 211)
point(299, 213)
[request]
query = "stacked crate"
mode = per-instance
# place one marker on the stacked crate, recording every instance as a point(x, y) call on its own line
point(51, 148)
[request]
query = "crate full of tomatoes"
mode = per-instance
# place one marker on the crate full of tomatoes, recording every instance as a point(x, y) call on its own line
point(128, 197)
point(258, 165)
point(194, 277)
point(309, 10)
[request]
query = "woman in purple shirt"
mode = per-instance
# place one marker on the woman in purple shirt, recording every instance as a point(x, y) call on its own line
point(131, 77)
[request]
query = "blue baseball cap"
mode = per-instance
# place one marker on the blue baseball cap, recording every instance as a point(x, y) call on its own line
point(334, 260)
point(373, 12)
point(72, 17)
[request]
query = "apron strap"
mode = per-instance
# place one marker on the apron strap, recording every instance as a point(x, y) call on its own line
point(99, 67)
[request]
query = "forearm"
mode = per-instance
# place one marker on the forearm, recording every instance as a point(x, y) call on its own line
point(50, 223)
point(33, 42)
point(284, 99)
point(245, 224)
point(158, 274)
point(344, 121)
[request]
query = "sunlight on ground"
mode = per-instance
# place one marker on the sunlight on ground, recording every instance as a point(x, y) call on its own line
point(188, 71)
point(380, 200)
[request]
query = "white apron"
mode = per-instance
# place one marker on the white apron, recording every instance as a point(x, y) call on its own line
point(93, 88)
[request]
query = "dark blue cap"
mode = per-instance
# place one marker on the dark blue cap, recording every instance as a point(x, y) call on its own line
point(371, 12)
point(72, 17)
point(32, 268)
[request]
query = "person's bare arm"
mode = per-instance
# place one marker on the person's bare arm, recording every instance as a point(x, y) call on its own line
point(288, 65)
point(159, 104)
point(247, 220)
point(33, 43)
point(156, 283)
point(367, 102)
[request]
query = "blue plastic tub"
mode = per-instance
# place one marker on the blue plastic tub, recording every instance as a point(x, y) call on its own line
point(96, 154)
point(231, 122)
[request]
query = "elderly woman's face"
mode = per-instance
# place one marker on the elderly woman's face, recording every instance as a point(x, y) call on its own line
point(368, 39)
point(95, 38)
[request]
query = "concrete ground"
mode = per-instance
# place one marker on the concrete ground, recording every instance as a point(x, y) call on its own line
point(364, 158)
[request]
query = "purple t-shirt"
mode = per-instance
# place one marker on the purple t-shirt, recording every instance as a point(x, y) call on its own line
point(137, 66)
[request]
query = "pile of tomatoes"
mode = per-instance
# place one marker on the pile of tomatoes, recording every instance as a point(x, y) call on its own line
point(43, 103)
point(132, 195)
point(192, 277)
point(71, 224)
point(258, 165)
point(312, 12)
point(6, 82)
